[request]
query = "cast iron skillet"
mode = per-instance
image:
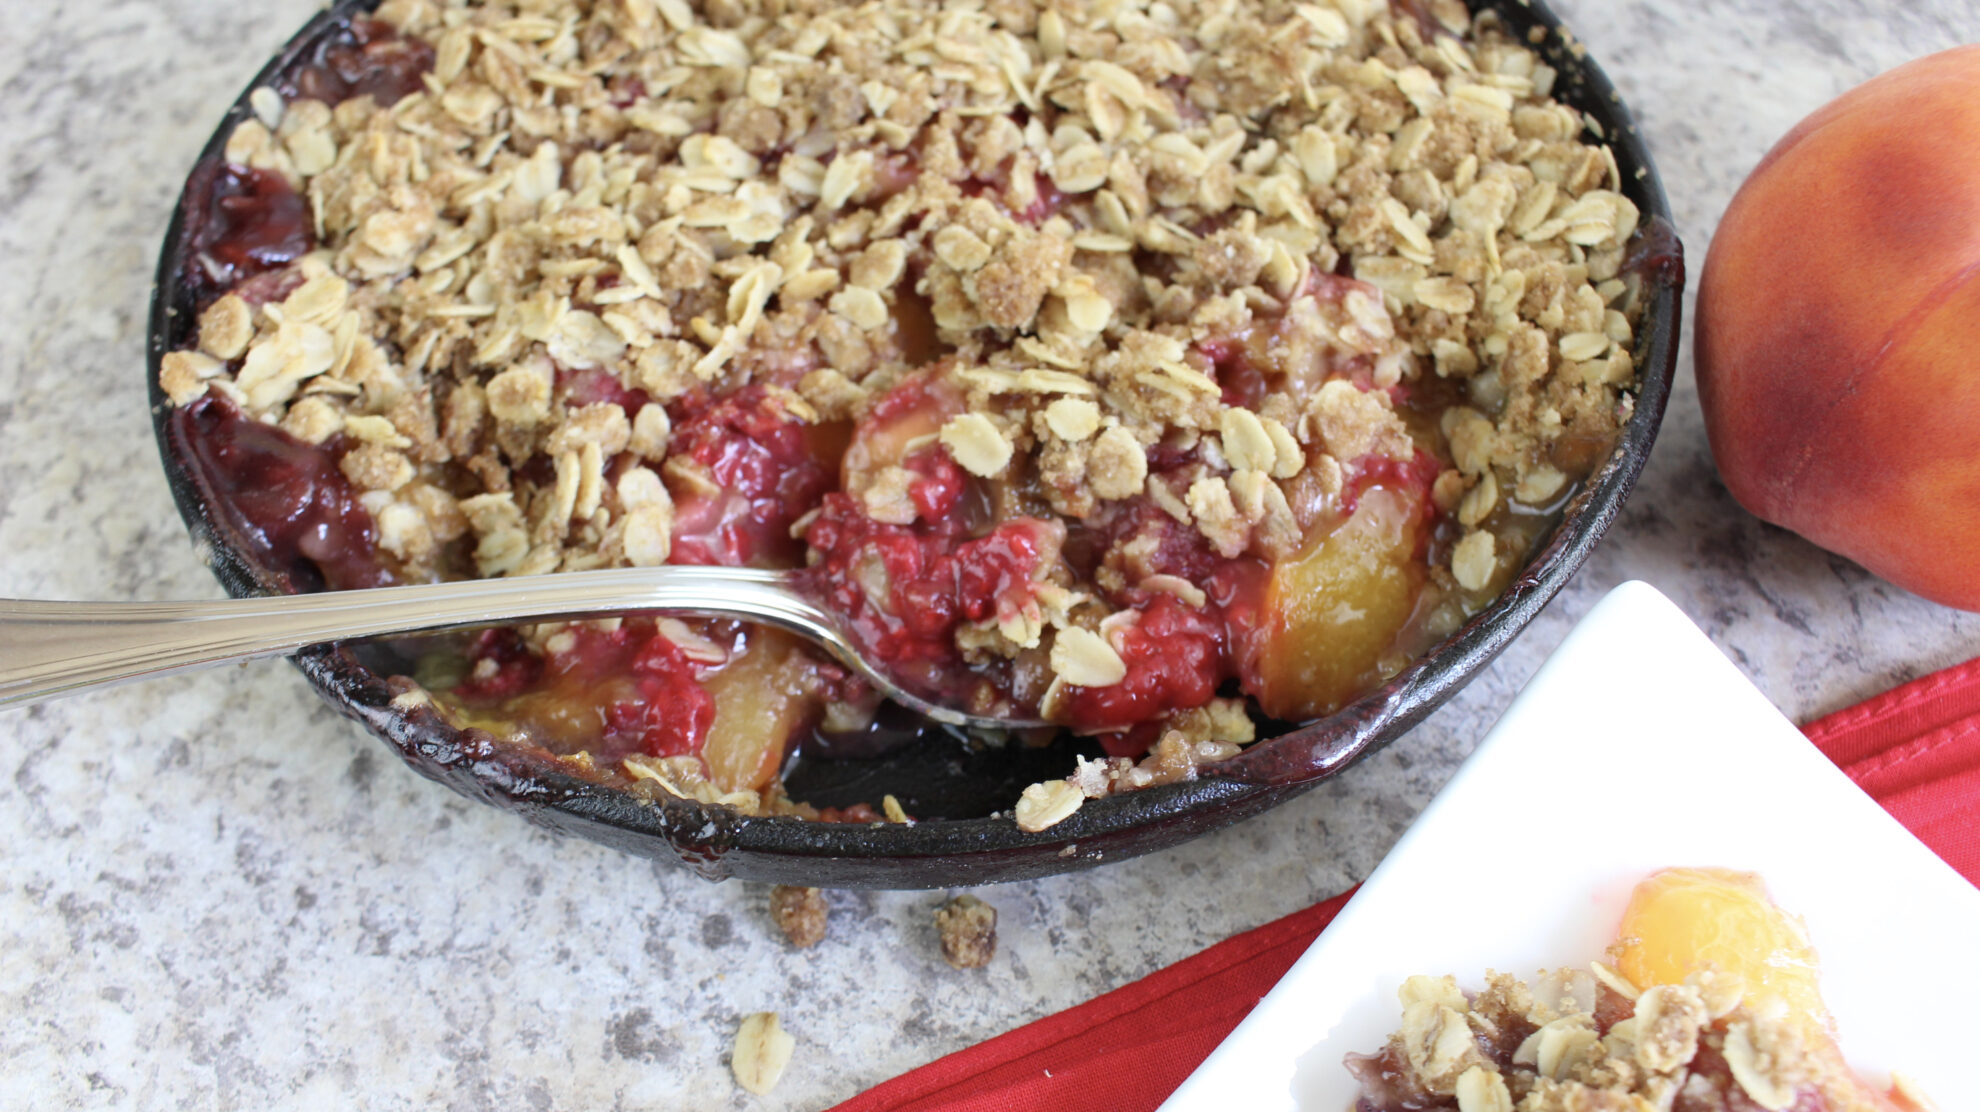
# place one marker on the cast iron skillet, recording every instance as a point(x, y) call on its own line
point(946, 777)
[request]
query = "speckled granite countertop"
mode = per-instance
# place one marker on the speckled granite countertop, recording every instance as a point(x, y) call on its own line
point(218, 894)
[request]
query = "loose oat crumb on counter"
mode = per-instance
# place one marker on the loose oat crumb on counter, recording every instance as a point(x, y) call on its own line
point(801, 913)
point(1182, 274)
point(761, 1053)
point(968, 930)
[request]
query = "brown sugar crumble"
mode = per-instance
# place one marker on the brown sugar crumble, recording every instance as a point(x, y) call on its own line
point(1151, 316)
point(801, 913)
point(968, 930)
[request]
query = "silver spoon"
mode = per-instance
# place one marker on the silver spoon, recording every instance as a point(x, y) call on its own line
point(50, 649)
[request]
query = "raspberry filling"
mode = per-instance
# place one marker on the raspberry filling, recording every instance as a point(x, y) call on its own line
point(244, 222)
point(285, 499)
point(904, 589)
point(751, 471)
point(363, 57)
point(1175, 657)
point(626, 689)
point(747, 471)
point(241, 224)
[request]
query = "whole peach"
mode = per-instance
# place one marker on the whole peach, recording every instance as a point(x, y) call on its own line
point(1838, 344)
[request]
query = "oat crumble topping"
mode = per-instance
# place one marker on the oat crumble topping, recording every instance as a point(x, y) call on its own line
point(1589, 1041)
point(1102, 236)
point(1708, 1002)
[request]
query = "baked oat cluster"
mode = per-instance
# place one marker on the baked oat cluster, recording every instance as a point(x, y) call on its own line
point(1056, 334)
point(1590, 1041)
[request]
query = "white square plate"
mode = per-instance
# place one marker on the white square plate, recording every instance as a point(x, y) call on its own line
point(1637, 746)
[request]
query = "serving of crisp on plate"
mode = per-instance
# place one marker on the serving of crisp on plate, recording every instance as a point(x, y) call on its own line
point(1638, 746)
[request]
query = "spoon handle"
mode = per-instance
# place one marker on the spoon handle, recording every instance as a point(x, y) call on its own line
point(48, 649)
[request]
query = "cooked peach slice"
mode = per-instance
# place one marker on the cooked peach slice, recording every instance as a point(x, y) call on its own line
point(1680, 922)
point(763, 698)
point(1334, 612)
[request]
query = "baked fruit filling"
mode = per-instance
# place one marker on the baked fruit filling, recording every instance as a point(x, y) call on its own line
point(1175, 369)
point(1708, 1003)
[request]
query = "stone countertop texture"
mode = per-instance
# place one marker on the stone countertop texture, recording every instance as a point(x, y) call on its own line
point(218, 894)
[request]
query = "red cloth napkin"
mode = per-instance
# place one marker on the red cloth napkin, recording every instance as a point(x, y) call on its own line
point(1915, 749)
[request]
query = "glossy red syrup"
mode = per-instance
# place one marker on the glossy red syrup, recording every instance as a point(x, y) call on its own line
point(672, 714)
point(1175, 660)
point(593, 386)
point(503, 667)
point(905, 588)
point(1413, 476)
point(286, 499)
point(768, 470)
point(241, 224)
point(364, 57)
point(640, 692)
point(1177, 655)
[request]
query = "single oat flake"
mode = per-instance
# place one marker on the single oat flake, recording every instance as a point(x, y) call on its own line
point(761, 1053)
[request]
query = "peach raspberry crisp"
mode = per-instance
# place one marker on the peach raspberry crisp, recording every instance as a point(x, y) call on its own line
point(1710, 1005)
point(1175, 367)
